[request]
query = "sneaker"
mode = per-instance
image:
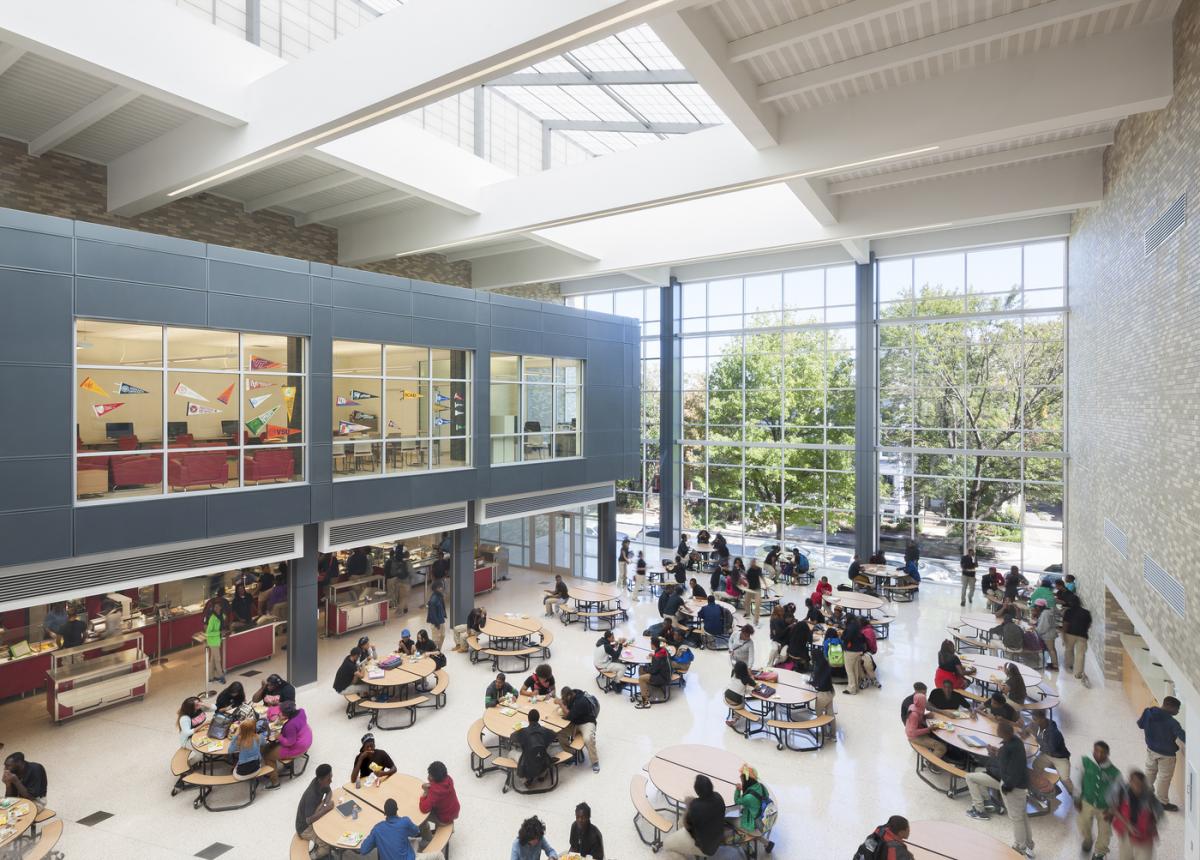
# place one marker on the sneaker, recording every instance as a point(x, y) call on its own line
point(1086, 847)
point(1083, 679)
point(1029, 853)
point(962, 603)
point(595, 767)
point(978, 815)
point(1170, 807)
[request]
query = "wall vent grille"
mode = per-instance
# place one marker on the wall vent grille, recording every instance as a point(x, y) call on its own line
point(496, 510)
point(1166, 224)
point(358, 532)
point(1117, 538)
point(1168, 587)
point(91, 577)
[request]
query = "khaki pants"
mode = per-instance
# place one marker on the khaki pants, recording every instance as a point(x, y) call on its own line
point(1088, 814)
point(588, 730)
point(460, 636)
point(752, 601)
point(930, 743)
point(1130, 851)
point(622, 573)
point(639, 581)
point(1075, 654)
point(552, 603)
point(1061, 765)
point(1159, 770)
point(968, 591)
point(822, 706)
point(437, 632)
point(854, 671)
point(644, 685)
point(398, 593)
point(309, 835)
point(1014, 802)
point(1051, 643)
point(216, 663)
point(679, 845)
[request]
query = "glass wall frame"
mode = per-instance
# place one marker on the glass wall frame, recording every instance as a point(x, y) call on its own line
point(536, 408)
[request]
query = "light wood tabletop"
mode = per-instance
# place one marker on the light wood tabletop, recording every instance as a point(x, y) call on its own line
point(511, 626)
point(400, 787)
point(982, 622)
point(409, 672)
point(10, 833)
point(987, 665)
point(854, 600)
point(594, 592)
point(503, 720)
point(980, 726)
point(332, 826)
point(673, 771)
point(637, 651)
point(791, 689)
point(942, 840)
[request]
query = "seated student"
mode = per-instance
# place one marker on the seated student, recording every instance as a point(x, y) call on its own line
point(694, 561)
point(1014, 685)
point(671, 604)
point(531, 841)
point(585, 836)
point(683, 549)
point(534, 743)
point(390, 837)
point(295, 737)
point(349, 675)
point(682, 661)
point(698, 592)
point(371, 760)
point(918, 687)
point(1009, 631)
point(366, 650)
point(993, 583)
point(950, 667)
point(424, 644)
point(916, 729)
point(998, 707)
point(1068, 582)
point(822, 588)
point(275, 688)
point(607, 656)
point(190, 717)
point(667, 631)
point(703, 829)
point(912, 574)
point(800, 563)
point(813, 612)
point(751, 797)
point(1044, 591)
point(498, 690)
point(703, 537)
point(877, 557)
point(657, 674)
point(406, 646)
point(556, 596)
point(1014, 582)
point(737, 689)
point(779, 634)
point(799, 647)
point(243, 607)
point(712, 619)
point(248, 745)
point(438, 800)
point(317, 801)
point(232, 697)
point(945, 698)
point(540, 683)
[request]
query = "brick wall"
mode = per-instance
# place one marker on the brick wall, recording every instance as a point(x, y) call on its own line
point(72, 188)
point(538, 292)
point(1134, 378)
point(1116, 624)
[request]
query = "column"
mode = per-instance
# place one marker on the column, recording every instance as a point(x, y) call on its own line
point(670, 404)
point(302, 613)
point(606, 539)
point(866, 485)
point(461, 599)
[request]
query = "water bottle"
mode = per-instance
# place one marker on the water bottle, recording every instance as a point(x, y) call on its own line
point(354, 812)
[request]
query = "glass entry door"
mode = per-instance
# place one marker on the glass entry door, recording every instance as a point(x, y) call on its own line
point(556, 539)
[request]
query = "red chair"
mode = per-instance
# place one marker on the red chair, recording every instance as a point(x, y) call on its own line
point(137, 470)
point(197, 470)
point(127, 443)
point(183, 440)
point(270, 464)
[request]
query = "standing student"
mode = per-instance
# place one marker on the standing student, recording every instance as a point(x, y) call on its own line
point(1163, 734)
point(316, 802)
point(1052, 749)
point(581, 711)
point(435, 615)
point(624, 556)
point(639, 574)
point(215, 625)
point(1047, 628)
point(1135, 811)
point(1099, 776)
point(401, 577)
point(853, 646)
point(438, 800)
point(779, 630)
point(703, 827)
point(1077, 621)
point(743, 648)
point(683, 549)
point(585, 836)
point(822, 681)
point(753, 592)
point(1005, 770)
point(968, 566)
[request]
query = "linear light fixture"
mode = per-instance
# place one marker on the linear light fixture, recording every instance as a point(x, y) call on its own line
point(683, 198)
point(463, 82)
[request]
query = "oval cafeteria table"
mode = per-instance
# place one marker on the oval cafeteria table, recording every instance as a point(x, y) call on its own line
point(596, 595)
point(404, 789)
point(853, 601)
point(413, 669)
point(987, 665)
point(510, 631)
point(981, 726)
point(673, 771)
point(503, 720)
point(982, 622)
point(27, 811)
point(941, 840)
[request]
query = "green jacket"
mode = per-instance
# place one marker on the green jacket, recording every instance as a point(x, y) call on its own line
point(1097, 780)
point(752, 801)
point(212, 630)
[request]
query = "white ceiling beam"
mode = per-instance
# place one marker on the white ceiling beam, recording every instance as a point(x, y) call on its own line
point(653, 276)
point(9, 54)
point(627, 127)
point(1067, 146)
point(990, 29)
point(813, 27)
point(693, 36)
point(974, 236)
point(521, 244)
point(401, 62)
point(299, 192)
point(758, 263)
point(1017, 192)
point(858, 249)
point(814, 194)
point(351, 207)
point(146, 46)
point(1100, 79)
point(547, 242)
point(601, 284)
point(84, 118)
point(577, 79)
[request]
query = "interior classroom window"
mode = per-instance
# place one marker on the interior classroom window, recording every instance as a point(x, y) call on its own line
point(160, 409)
point(536, 405)
point(399, 408)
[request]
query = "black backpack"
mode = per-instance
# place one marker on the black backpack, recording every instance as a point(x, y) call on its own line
point(593, 703)
point(872, 848)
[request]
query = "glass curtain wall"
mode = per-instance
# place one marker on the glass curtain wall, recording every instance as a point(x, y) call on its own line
point(972, 374)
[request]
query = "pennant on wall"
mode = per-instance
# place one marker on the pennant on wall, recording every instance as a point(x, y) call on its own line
point(276, 431)
point(182, 390)
point(91, 385)
point(258, 401)
point(257, 363)
point(356, 415)
point(438, 397)
point(226, 394)
point(362, 395)
point(126, 388)
point(411, 395)
point(440, 421)
point(342, 401)
point(289, 399)
point(252, 384)
point(458, 396)
point(102, 409)
point(197, 409)
point(392, 425)
point(345, 427)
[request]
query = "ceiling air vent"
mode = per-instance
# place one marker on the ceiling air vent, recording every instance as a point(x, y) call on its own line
point(1116, 537)
point(515, 507)
point(345, 534)
point(1168, 587)
point(1166, 224)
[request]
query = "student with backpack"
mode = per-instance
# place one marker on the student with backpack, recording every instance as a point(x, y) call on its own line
point(886, 841)
point(581, 710)
point(534, 743)
point(752, 798)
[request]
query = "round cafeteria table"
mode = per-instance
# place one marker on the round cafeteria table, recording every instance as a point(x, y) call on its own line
point(510, 631)
point(791, 690)
point(980, 726)
point(637, 652)
point(673, 771)
point(594, 594)
point(982, 622)
point(852, 601)
point(942, 840)
point(27, 812)
point(404, 789)
point(987, 665)
point(499, 721)
point(412, 670)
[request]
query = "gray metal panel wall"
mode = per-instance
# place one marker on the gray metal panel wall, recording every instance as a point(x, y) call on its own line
point(866, 487)
point(53, 269)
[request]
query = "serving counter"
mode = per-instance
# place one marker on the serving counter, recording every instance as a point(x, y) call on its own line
point(93, 676)
point(355, 603)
